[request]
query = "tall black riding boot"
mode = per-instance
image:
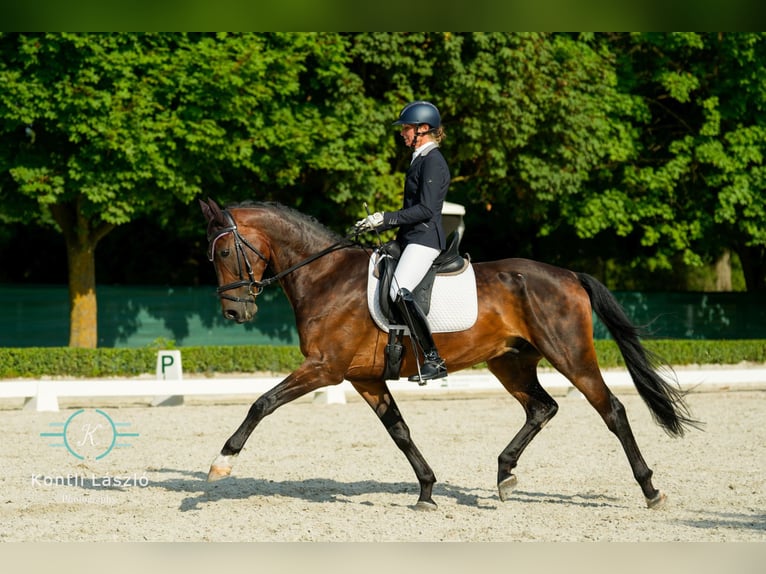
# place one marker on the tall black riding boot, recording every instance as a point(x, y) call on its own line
point(433, 365)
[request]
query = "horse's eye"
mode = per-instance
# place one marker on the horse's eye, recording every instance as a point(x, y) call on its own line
point(225, 252)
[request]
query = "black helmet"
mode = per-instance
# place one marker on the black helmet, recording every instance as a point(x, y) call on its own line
point(420, 112)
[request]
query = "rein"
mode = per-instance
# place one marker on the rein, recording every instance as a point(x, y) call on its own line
point(255, 288)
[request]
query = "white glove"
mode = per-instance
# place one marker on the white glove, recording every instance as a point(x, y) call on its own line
point(369, 223)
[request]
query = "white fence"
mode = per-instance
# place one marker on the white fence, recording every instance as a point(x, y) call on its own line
point(170, 388)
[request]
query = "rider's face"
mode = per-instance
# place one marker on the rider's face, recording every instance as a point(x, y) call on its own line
point(409, 131)
point(408, 134)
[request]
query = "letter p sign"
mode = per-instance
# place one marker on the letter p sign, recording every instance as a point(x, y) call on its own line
point(167, 361)
point(169, 365)
point(169, 369)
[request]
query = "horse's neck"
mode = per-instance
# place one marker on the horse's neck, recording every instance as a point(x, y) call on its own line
point(287, 253)
point(292, 243)
point(339, 277)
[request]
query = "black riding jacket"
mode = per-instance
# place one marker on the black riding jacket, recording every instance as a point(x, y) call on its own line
point(425, 189)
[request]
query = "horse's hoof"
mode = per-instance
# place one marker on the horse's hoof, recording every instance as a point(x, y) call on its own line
point(218, 472)
point(506, 486)
point(425, 505)
point(657, 502)
point(220, 467)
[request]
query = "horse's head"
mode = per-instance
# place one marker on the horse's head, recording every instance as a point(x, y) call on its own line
point(231, 249)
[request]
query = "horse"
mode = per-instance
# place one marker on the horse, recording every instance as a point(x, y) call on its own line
point(527, 311)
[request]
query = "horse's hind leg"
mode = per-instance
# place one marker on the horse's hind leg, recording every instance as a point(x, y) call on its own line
point(565, 338)
point(379, 398)
point(581, 368)
point(614, 415)
point(518, 374)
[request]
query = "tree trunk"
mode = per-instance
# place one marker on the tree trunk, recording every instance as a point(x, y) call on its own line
point(81, 238)
point(723, 271)
point(83, 313)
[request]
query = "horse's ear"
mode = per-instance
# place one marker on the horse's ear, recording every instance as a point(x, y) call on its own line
point(210, 210)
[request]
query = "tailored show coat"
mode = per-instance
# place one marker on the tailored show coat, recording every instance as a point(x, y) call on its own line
point(425, 189)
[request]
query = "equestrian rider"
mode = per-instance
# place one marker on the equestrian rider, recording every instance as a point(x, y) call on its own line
point(420, 232)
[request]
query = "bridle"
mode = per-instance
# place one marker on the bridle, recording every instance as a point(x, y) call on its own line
point(254, 287)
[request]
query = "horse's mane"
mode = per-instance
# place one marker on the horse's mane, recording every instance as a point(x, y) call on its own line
point(308, 224)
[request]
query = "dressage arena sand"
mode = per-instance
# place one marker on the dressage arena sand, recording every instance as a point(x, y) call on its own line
point(330, 473)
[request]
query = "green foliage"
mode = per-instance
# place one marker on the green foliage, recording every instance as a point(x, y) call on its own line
point(684, 352)
point(124, 123)
point(72, 362)
point(97, 363)
point(249, 359)
point(161, 343)
point(728, 352)
point(694, 187)
point(551, 108)
point(637, 151)
point(681, 352)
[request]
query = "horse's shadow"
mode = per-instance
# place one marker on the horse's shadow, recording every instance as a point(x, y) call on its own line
point(727, 520)
point(329, 490)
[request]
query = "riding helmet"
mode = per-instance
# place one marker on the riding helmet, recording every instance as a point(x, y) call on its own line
point(419, 112)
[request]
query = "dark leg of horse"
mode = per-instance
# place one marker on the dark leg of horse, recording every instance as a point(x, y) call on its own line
point(588, 380)
point(518, 374)
point(591, 384)
point(613, 412)
point(566, 340)
point(379, 398)
point(303, 380)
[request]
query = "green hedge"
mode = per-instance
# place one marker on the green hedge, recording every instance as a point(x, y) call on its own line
point(728, 352)
point(107, 362)
point(679, 352)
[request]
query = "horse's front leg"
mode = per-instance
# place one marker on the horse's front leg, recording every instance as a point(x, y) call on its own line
point(379, 398)
point(305, 379)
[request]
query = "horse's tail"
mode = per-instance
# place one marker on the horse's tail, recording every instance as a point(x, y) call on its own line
point(665, 401)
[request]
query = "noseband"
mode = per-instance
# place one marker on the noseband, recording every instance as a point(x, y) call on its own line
point(254, 288)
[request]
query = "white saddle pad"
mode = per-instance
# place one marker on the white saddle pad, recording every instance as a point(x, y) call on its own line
point(454, 304)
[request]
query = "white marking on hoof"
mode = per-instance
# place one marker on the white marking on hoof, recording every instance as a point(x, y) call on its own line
point(657, 502)
point(506, 486)
point(426, 505)
point(220, 468)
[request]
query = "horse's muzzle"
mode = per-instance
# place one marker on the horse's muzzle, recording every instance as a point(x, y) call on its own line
point(246, 312)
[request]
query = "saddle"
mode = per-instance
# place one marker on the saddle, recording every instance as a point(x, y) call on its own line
point(448, 262)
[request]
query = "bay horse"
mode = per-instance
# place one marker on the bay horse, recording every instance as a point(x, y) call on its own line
point(527, 311)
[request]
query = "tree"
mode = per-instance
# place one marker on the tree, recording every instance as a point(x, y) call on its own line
point(71, 155)
point(99, 130)
point(695, 189)
point(529, 119)
point(640, 150)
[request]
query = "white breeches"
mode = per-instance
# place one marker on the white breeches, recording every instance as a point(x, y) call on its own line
point(413, 265)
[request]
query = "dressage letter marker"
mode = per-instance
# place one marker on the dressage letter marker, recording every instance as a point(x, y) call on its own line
point(169, 369)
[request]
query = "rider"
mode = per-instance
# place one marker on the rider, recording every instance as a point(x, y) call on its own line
point(420, 233)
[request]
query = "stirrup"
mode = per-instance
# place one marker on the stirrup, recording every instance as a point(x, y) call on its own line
point(431, 370)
